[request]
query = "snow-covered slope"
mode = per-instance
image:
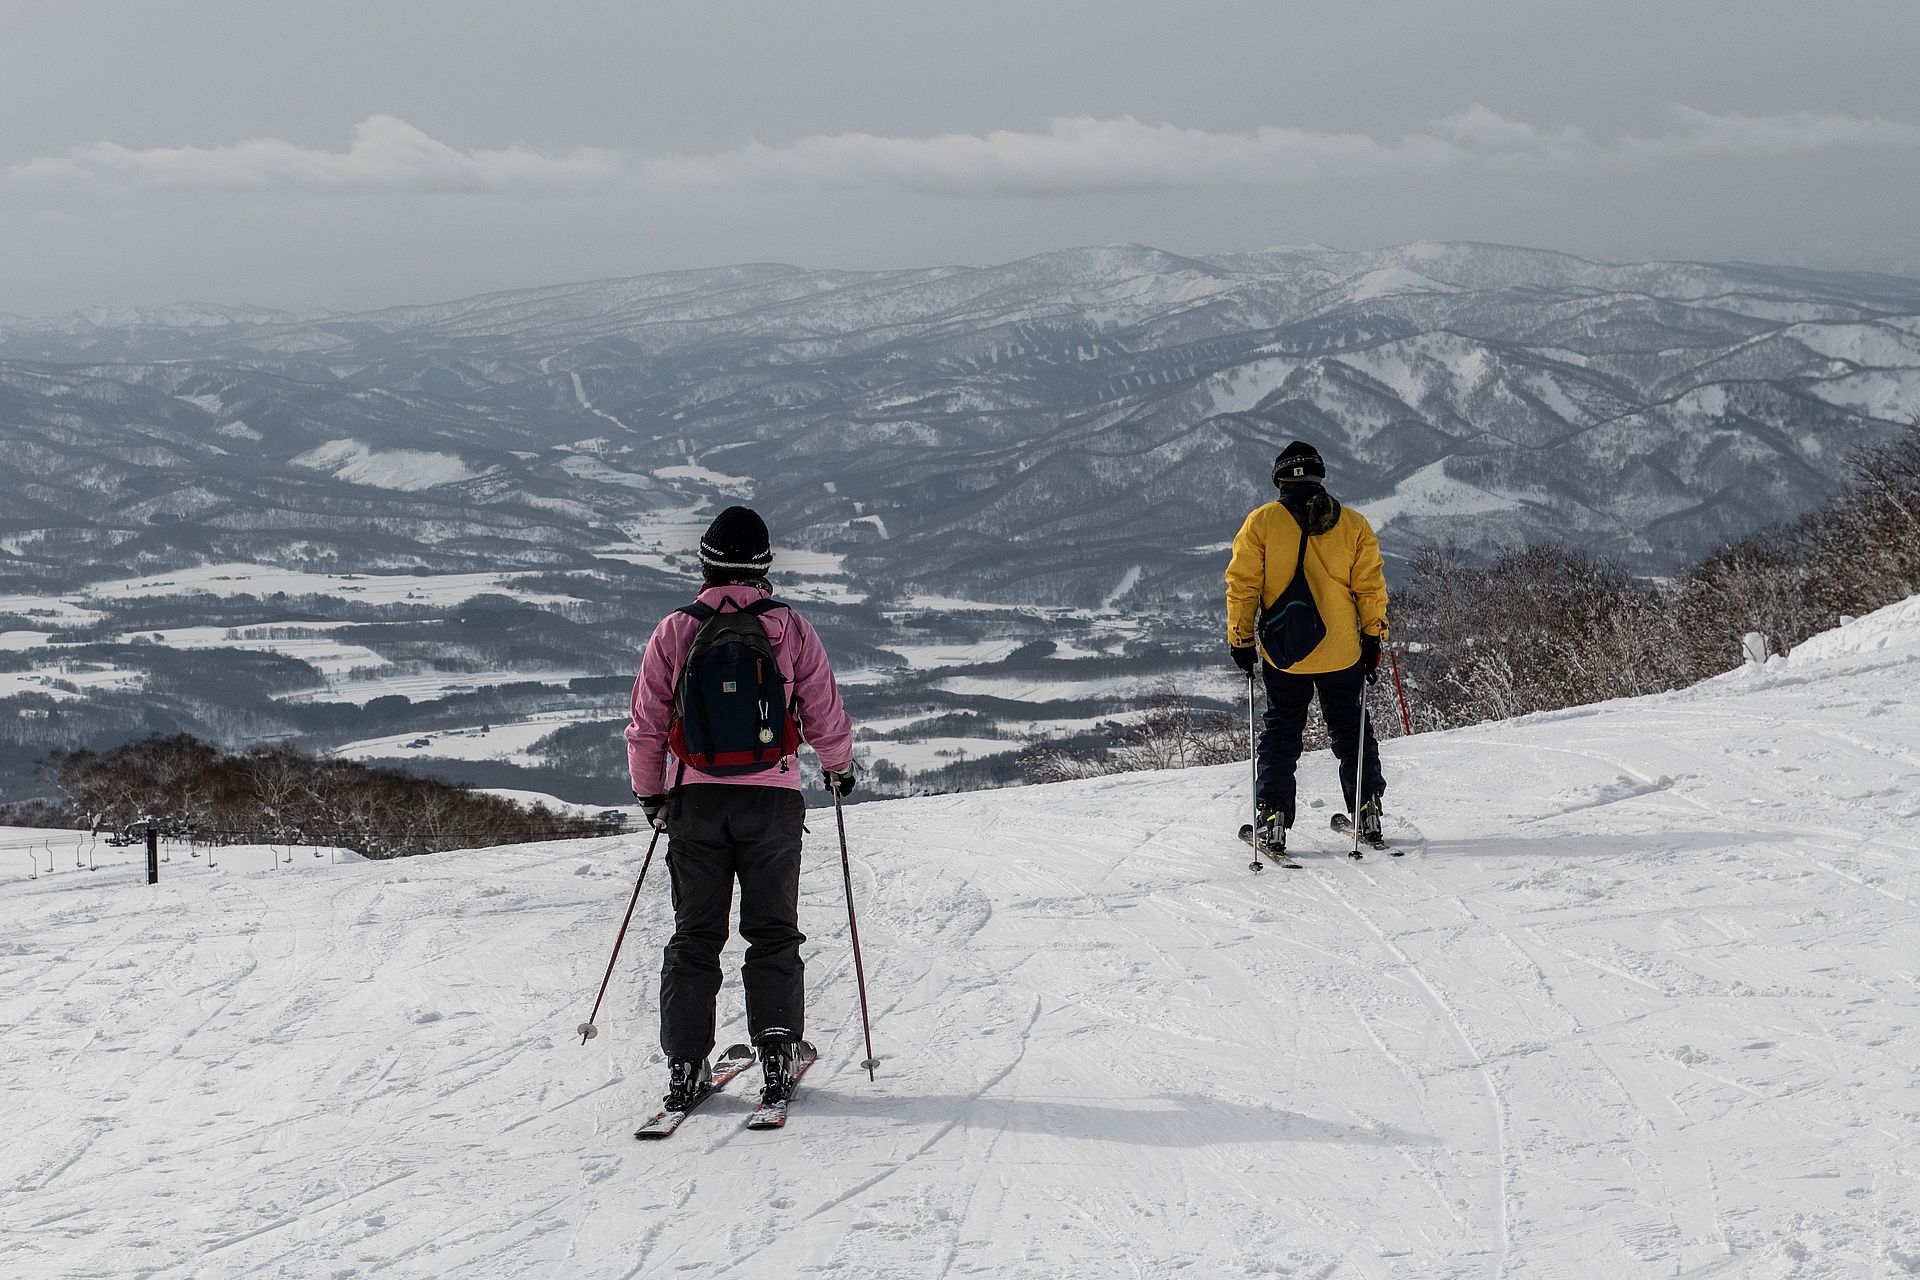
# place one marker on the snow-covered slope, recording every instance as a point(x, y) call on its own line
point(1640, 1002)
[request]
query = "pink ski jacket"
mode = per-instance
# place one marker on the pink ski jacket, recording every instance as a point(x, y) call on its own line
point(811, 693)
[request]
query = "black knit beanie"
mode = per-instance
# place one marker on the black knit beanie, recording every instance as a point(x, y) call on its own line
point(737, 541)
point(1298, 462)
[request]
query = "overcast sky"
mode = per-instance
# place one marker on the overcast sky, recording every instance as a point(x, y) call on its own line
point(362, 152)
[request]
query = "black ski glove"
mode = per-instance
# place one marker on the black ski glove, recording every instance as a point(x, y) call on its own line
point(841, 781)
point(655, 808)
point(1246, 657)
point(1370, 657)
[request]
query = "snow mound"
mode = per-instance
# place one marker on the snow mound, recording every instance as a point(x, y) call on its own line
point(1639, 1002)
point(1894, 630)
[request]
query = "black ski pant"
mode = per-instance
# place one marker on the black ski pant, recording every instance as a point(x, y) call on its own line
point(1289, 697)
point(716, 834)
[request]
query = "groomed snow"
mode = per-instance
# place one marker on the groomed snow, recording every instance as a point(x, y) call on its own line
point(1640, 1002)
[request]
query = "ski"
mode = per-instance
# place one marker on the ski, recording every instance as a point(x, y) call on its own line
point(773, 1115)
point(1279, 860)
point(1343, 825)
point(662, 1124)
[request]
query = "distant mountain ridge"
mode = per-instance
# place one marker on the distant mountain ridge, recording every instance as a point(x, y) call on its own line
point(1042, 430)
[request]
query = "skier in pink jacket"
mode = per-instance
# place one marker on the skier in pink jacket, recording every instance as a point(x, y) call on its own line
point(742, 820)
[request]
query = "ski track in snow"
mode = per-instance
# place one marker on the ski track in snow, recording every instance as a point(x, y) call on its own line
point(1640, 1001)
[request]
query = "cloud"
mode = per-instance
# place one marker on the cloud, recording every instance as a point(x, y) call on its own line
point(385, 154)
point(1073, 156)
point(1084, 155)
point(1701, 133)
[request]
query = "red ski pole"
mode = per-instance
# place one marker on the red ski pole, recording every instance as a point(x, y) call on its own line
point(853, 930)
point(587, 1030)
point(1401, 689)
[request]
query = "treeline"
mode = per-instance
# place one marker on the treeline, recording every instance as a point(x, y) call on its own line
point(279, 795)
point(1551, 627)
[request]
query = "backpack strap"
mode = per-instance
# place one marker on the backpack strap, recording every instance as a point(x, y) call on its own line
point(701, 610)
point(1300, 563)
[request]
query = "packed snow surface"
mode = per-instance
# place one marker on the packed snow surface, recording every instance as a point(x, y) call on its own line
point(1640, 1001)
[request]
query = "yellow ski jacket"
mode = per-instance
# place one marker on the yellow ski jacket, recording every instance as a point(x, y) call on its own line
point(1344, 573)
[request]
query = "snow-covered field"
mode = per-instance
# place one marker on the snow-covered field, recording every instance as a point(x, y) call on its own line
point(333, 658)
point(934, 753)
point(425, 686)
point(266, 580)
point(60, 679)
point(1641, 1001)
point(1036, 686)
point(507, 741)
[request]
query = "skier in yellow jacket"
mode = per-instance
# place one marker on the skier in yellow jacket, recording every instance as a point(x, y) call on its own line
point(1347, 583)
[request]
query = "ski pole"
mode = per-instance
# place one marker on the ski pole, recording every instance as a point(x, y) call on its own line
point(1401, 689)
point(1253, 768)
point(853, 930)
point(587, 1030)
point(1360, 770)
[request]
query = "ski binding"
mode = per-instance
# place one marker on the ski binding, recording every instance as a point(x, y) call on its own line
point(662, 1123)
point(1280, 859)
point(773, 1115)
point(1343, 825)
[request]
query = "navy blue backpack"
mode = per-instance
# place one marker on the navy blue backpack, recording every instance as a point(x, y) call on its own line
point(730, 713)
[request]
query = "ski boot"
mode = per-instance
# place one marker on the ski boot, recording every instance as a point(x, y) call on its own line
point(1270, 837)
point(1370, 832)
point(778, 1049)
point(687, 1083)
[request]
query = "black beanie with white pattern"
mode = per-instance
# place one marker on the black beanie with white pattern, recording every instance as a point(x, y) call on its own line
point(737, 541)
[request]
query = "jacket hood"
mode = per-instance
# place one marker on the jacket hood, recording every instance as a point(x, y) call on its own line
point(1316, 509)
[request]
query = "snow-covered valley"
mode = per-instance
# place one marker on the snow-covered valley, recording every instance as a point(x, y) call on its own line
point(1640, 1001)
point(393, 527)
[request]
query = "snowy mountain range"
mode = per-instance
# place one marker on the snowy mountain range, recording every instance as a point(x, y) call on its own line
point(1050, 431)
point(1639, 1002)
